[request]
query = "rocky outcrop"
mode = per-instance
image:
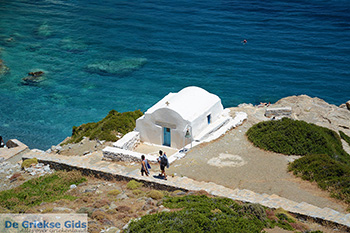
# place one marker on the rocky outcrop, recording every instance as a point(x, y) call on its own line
point(317, 111)
point(278, 112)
point(3, 68)
point(120, 67)
point(11, 143)
point(33, 78)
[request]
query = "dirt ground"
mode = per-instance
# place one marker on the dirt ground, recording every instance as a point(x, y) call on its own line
point(234, 162)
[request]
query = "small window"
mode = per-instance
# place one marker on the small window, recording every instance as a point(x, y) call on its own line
point(209, 119)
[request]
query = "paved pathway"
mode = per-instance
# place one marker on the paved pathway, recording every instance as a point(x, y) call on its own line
point(95, 164)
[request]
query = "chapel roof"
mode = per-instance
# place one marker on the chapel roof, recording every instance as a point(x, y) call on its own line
point(189, 103)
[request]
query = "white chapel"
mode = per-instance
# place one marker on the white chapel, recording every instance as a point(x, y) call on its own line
point(178, 117)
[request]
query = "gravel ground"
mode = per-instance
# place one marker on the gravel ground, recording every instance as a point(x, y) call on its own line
point(234, 162)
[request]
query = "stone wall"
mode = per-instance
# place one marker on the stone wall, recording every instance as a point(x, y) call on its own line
point(117, 154)
point(278, 112)
point(105, 175)
point(129, 141)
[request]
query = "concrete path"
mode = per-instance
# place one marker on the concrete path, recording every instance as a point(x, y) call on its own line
point(93, 163)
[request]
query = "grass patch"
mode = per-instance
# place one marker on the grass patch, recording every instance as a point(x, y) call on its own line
point(48, 188)
point(344, 137)
point(204, 214)
point(133, 184)
point(114, 192)
point(106, 129)
point(155, 194)
point(28, 162)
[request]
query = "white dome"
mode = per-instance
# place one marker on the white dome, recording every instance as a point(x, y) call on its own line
point(189, 103)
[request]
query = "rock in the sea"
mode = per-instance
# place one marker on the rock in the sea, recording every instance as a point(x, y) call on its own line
point(3, 69)
point(73, 45)
point(348, 105)
point(33, 47)
point(33, 78)
point(120, 67)
point(10, 41)
point(44, 30)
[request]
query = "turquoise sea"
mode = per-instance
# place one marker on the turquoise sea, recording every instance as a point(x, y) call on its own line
point(126, 55)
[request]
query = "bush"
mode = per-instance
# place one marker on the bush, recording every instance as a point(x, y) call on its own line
point(155, 194)
point(133, 184)
point(344, 137)
point(256, 210)
point(204, 214)
point(114, 192)
point(28, 162)
point(48, 188)
point(329, 174)
point(136, 192)
point(293, 137)
point(106, 129)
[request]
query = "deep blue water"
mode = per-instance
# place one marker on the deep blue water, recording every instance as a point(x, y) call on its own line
point(294, 47)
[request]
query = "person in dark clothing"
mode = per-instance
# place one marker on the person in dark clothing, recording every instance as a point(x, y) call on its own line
point(163, 161)
point(144, 167)
point(2, 143)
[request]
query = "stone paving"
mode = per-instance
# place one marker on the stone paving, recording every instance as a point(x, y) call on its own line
point(95, 164)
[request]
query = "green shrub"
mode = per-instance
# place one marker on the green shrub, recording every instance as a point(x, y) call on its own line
point(204, 214)
point(136, 192)
point(46, 188)
point(106, 129)
point(114, 192)
point(329, 174)
point(292, 137)
point(155, 194)
point(344, 137)
point(256, 210)
point(133, 184)
point(28, 162)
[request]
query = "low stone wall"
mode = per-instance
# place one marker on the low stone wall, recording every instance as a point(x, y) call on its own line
point(129, 141)
point(117, 154)
point(105, 175)
point(278, 112)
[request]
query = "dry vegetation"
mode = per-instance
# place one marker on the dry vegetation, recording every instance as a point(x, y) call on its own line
point(114, 203)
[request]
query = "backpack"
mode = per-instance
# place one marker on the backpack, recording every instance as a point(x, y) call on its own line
point(164, 161)
point(147, 164)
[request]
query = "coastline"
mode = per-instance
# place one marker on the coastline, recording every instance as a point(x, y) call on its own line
point(312, 110)
point(252, 169)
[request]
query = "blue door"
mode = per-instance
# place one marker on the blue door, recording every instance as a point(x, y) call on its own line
point(166, 137)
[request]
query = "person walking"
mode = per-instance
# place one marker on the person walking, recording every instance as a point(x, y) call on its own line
point(163, 161)
point(144, 166)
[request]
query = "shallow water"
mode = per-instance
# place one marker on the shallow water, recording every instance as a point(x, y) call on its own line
point(294, 47)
